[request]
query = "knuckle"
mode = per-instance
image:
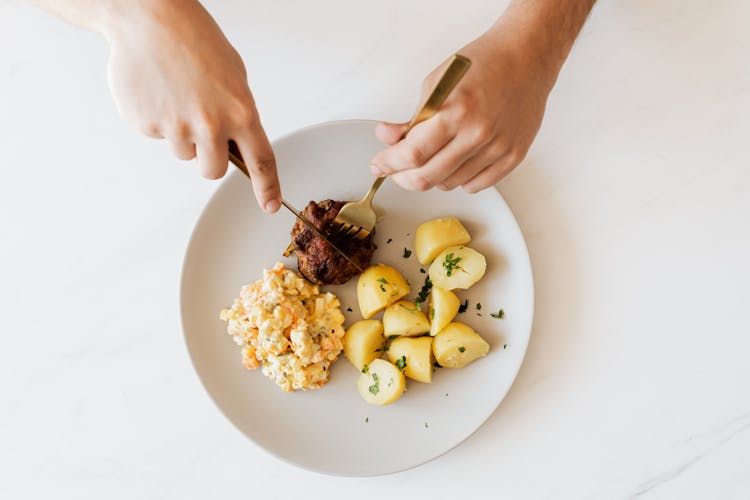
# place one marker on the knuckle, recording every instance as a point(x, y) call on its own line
point(483, 132)
point(264, 165)
point(148, 128)
point(415, 156)
point(421, 183)
point(516, 156)
point(206, 125)
point(179, 130)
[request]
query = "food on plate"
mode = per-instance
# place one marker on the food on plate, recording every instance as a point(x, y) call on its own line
point(378, 287)
point(363, 342)
point(457, 267)
point(414, 356)
point(457, 345)
point(444, 306)
point(287, 326)
point(434, 236)
point(316, 259)
point(404, 319)
point(381, 382)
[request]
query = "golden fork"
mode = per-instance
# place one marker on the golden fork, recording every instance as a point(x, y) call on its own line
point(357, 219)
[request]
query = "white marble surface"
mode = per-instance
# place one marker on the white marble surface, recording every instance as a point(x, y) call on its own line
point(634, 201)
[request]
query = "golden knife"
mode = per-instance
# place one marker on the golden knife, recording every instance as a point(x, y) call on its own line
point(236, 159)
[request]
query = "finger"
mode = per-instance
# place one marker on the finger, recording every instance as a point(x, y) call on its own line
point(261, 162)
point(213, 157)
point(488, 155)
point(184, 149)
point(489, 176)
point(421, 144)
point(390, 133)
point(442, 165)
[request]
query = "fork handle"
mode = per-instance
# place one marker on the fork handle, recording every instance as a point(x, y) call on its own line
point(456, 69)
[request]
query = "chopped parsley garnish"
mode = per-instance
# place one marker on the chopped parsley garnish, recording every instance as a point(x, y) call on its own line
point(382, 280)
point(432, 314)
point(479, 314)
point(463, 307)
point(389, 240)
point(422, 270)
point(479, 306)
point(391, 337)
point(461, 349)
point(423, 293)
point(450, 263)
point(365, 369)
point(498, 315)
point(349, 309)
point(408, 308)
point(505, 346)
point(425, 425)
point(382, 288)
point(382, 348)
point(401, 363)
point(367, 419)
point(407, 253)
point(375, 388)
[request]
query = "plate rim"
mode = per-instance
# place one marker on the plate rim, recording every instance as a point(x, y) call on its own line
point(183, 267)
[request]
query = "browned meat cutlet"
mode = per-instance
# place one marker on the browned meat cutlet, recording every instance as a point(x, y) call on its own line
point(317, 261)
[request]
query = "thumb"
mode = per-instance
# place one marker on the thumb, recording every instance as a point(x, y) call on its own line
point(390, 133)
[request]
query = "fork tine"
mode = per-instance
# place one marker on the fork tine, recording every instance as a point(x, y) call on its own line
point(354, 232)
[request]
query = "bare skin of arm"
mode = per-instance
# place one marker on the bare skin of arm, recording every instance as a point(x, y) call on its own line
point(486, 126)
point(174, 75)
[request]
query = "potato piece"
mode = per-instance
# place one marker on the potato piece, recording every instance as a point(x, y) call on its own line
point(457, 267)
point(404, 319)
point(444, 306)
point(381, 383)
point(415, 355)
point(458, 345)
point(434, 236)
point(361, 341)
point(378, 287)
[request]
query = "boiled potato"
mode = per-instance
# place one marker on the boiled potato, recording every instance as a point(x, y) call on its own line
point(457, 267)
point(361, 341)
point(458, 345)
point(404, 319)
point(378, 287)
point(414, 355)
point(444, 306)
point(434, 236)
point(381, 383)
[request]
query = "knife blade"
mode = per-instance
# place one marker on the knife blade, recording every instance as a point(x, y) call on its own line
point(240, 164)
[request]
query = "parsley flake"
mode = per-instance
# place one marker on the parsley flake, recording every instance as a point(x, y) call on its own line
point(389, 240)
point(461, 349)
point(498, 315)
point(450, 263)
point(349, 309)
point(407, 253)
point(423, 293)
point(375, 388)
point(479, 306)
point(463, 307)
point(505, 346)
point(367, 419)
point(401, 363)
point(365, 369)
point(422, 270)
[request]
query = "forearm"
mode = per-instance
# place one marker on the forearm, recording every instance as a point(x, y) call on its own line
point(545, 30)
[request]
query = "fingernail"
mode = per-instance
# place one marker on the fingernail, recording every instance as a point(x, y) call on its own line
point(376, 171)
point(272, 206)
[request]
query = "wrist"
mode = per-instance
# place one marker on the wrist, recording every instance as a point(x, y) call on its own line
point(541, 33)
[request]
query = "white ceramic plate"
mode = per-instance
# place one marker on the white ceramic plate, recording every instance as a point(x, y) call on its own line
point(332, 430)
